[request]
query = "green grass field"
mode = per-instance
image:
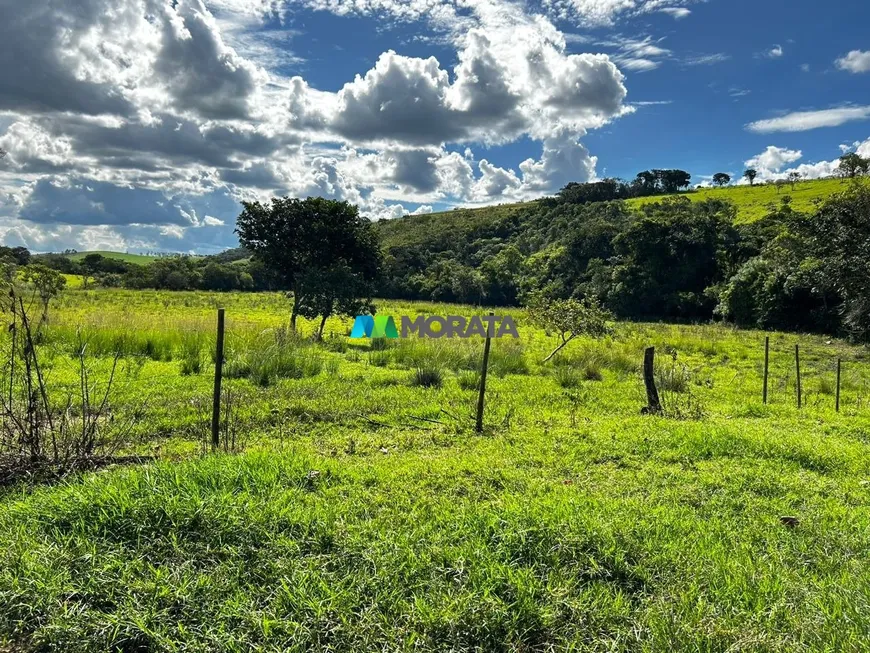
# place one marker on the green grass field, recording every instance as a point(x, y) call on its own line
point(74, 280)
point(364, 513)
point(139, 259)
point(754, 202)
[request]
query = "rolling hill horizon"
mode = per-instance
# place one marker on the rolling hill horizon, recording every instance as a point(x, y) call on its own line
point(752, 202)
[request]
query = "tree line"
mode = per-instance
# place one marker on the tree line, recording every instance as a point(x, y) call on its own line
point(669, 260)
point(646, 183)
point(230, 270)
point(673, 259)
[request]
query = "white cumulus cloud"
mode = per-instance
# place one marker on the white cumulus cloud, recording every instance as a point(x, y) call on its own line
point(772, 163)
point(143, 123)
point(773, 159)
point(855, 62)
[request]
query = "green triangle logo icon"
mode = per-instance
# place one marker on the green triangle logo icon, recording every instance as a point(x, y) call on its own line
point(385, 327)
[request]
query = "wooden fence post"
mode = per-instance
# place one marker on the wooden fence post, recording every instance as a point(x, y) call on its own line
point(766, 364)
point(480, 398)
point(218, 373)
point(652, 394)
point(797, 365)
point(839, 365)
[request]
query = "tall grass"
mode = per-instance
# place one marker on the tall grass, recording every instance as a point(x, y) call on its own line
point(673, 378)
point(567, 377)
point(152, 344)
point(590, 357)
point(468, 380)
point(380, 358)
point(506, 356)
point(273, 355)
point(411, 353)
point(192, 346)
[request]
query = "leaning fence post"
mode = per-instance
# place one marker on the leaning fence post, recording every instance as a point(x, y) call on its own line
point(480, 398)
point(766, 364)
point(218, 372)
point(797, 365)
point(652, 394)
point(839, 364)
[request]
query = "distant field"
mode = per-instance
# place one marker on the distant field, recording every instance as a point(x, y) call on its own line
point(73, 280)
point(753, 202)
point(139, 259)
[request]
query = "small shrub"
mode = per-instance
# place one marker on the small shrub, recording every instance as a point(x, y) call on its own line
point(379, 358)
point(826, 386)
point(591, 372)
point(427, 377)
point(468, 380)
point(509, 358)
point(684, 407)
point(675, 378)
point(567, 377)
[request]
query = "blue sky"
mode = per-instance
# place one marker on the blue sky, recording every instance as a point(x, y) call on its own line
point(142, 124)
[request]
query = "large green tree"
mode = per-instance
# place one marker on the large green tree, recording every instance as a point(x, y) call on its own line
point(852, 164)
point(670, 181)
point(750, 174)
point(646, 183)
point(668, 261)
point(321, 249)
point(90, 266)
point(721, 179)
point(835, 242)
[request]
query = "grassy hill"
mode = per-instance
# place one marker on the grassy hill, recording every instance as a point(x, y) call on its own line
point(752, 203)
point(139, 259)
point(434, 227)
